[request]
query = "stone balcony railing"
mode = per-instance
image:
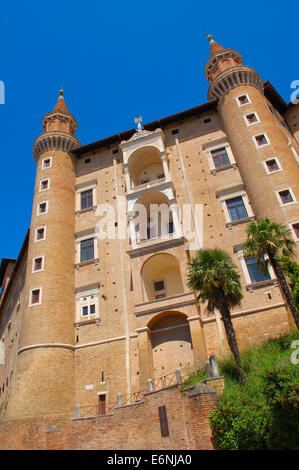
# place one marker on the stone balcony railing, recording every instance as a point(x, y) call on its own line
point(149, 243)
point(148, 185)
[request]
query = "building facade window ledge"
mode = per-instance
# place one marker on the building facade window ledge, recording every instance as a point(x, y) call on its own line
point(260, 285)
point(88, 209)
point(151, 184)
point(85, 263)
point(175, 301)
point(226, 167)
point(240, 221)
point(87, 322)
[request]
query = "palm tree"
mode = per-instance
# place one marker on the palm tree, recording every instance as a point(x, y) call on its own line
point(266, 237)
point(213, 275)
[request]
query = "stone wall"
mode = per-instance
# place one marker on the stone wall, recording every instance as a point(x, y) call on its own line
point(135, 426)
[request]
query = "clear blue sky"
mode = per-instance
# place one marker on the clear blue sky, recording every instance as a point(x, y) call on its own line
point(117, 60)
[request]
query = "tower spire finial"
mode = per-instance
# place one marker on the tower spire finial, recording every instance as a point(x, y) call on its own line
point(209, 37)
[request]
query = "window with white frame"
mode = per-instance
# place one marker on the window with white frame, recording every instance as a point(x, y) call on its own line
point(86, 247)
point(251, 118)
point(46, 163)
point(261, 140)
point(252, 271)
point(219, 155)
point(38, 263)
point(87, 303)
point(86, 196)
point(272, 165)
point(294, 226)
point(44, 184)
point(40, 233)
point(242, 100)
point(285, 197)
point(235, 206)
point(35, 297)
point(42, 208)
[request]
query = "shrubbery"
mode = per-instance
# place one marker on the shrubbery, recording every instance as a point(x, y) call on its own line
point(264, 413)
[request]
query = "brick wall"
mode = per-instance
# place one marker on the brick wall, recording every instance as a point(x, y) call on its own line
point(135, 426)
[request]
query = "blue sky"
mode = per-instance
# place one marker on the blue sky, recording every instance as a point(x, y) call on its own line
point(116, 60)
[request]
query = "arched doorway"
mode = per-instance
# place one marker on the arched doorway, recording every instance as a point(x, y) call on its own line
point(171, 343)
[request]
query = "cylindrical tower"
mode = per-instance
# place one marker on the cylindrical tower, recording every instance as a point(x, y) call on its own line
point(44, 379)
point(262, 147)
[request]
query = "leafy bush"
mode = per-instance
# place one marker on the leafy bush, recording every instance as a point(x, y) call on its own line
point(263, 413)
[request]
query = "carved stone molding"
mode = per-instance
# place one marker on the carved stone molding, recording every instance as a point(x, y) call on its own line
point(51, 141)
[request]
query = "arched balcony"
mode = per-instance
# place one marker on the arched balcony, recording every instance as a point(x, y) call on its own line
point(146, 167)
point(153, 218)
point(161, 277)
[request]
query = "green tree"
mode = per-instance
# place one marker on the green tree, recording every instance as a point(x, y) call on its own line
point(291, 268)
point(266, 237)
point(213, 275)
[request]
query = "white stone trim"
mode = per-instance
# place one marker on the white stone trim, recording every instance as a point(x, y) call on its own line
point(40, 296)
point(238, 102)
point(232, 195)
point(248, 124)
point(40, 184)
point(38, 213)
point(43, 163)
point(294, 201)
point(85, 298)
point(296, 239)
point(45, 233)
point(267, 169)
point(43, 264)
point(80, 188)
point(263, 145)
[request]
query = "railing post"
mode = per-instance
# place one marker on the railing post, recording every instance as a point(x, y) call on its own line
point(119, 399)
point(77, 411)
point(149, 385)
point(178, 376)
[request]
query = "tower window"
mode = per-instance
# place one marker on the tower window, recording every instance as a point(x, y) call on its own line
point(220, 157)
point(38, 264)
point(285, 196)
point(40, 234)
point(272, 165)
point(236, 208)
point(35, 296)
point(42, 208)
point(86, 199)
point(242, 100)
point(44, 184)
point(47, 163)
point(296, 230)
point(87, 249)
point(260, 140)
point(251, 118)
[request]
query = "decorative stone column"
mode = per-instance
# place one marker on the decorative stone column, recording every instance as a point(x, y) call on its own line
point(198, 341)
point(145, 356)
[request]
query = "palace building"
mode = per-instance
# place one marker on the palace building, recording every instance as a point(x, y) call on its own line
point(86, 317)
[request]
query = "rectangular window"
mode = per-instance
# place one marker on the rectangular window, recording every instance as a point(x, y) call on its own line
point(88, 310)
point(42, 208)
point(220, 157)
point(207, 120)
point(159, 288)
point(87, 250)
point(86, 199)
point(272, 165)
point(255, 273)
point(47, 163)
point(243, 100)
point(261, 140)
point(175, 131)
point(236, 208)
point(35, 296)
point(251, 118)
point(40, 234)
point(37, 264)
point(285, 196)
point(102, 404)
point(44, 184)
point(296, 229)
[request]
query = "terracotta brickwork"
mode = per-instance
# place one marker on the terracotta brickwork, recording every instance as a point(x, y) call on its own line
point(81, 326)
